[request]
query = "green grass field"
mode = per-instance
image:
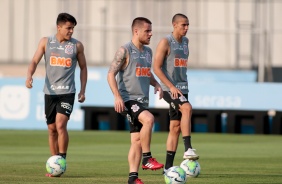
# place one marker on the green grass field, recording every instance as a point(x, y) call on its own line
point(100, 157)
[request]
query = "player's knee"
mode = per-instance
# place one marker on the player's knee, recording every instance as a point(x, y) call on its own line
point(52, 132)
point(148, 120)
point(61, 125)
point(62, 131)
point(186, 108)
point(136, 141)
point(175, 129)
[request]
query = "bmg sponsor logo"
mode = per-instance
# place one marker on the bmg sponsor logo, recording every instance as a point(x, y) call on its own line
point(14, 102)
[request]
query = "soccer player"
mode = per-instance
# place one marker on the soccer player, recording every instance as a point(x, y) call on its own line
point(170, 65)
point(61, 53)
point(132, 65)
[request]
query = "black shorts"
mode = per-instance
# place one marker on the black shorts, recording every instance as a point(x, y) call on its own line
point(133, 109)
point(174, 112)
point(58, 103)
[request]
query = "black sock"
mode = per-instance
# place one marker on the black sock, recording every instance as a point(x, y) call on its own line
point(187, 142)
point(132, 177)
point(169, 159)
point(64, 155)
point(146, 156)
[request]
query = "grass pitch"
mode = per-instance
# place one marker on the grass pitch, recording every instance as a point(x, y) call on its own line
point(100, 157)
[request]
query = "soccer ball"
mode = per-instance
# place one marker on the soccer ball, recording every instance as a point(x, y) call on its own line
point(191, 167)
point(56, 165)
point(175, 175)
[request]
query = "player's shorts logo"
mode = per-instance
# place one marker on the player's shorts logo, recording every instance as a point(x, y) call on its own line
point(66, 106)
point(182, 98)
point(135, 108)
point(172, 105)
point(129, 118)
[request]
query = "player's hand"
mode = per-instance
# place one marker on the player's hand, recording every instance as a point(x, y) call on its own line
point(119, 105)
point(28, 82)
point(81, 97)
point(174, 92)
point(160, 90)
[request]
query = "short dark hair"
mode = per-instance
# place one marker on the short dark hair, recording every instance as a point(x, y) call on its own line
point(138, 21)
point(178, 15)
point(65, 17)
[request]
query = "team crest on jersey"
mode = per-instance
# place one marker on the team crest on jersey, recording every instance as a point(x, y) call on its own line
point(69, 49)
point(185, 49)
point(148, 57)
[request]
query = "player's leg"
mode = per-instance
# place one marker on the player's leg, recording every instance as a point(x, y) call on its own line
point(64, 110)
point(50, 115)
point(147, 120)
point(172, 143)
point(142, 120)
point(172, 138)
point(174, 130)
point(134, 157)
point(186, 111)
point(53, 139)
point(63, 136)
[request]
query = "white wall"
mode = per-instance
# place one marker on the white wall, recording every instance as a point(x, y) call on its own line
point(104, 25)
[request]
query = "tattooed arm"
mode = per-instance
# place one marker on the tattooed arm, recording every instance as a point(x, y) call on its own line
point(119, 62)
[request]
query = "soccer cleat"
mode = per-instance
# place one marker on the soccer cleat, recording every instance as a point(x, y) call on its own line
point(190, 154)
point(164, 171)
point(152, 164)
point(50, 175)
point(137, 181)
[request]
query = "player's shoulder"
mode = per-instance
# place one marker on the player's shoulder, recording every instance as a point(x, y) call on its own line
point(49, 39)
point(43, 41)
point(168, 39)
point(127, 47)
point(123, 51)
point(78, 43)
point(164, 42)
point(75, 41)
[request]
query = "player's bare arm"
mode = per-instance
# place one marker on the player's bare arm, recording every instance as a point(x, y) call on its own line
point(157, 86)
point(34, 62)
point(119, 62)
point(162, 51)
point(83, 71)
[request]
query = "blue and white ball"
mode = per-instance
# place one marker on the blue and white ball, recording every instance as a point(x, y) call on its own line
point(191, 167)
point(175, 175)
